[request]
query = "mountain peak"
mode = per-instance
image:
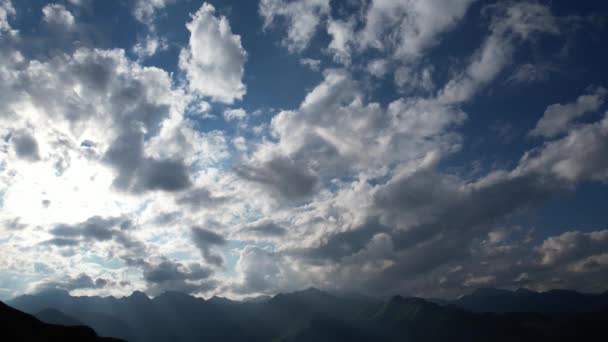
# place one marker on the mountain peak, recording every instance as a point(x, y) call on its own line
point(139, 296)
point(220, 300)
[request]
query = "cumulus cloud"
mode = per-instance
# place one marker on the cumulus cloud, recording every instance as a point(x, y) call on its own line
point(214, 59)
point(264, 271)
point(57, 15)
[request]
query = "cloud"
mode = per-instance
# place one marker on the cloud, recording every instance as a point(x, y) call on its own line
point(205, 240)
point(342, 36)
point(282, 176)
point(263, 271)
point(265, 229)
point(214, 59)
point(200, 198)
point(57, 15)
point(418, 23)
point(511, 22)
point(168, 275)
point(98, 229)
point(26, 146)
point(149, 46)
point(146, 10)
point(301, 18)
point(573, 246)
point(7, 10)
point(235, 114)
point(529, 73)
point(311, 63)
point(335, 134)
point(82, 281)
point(558, 117)
point(579, 155)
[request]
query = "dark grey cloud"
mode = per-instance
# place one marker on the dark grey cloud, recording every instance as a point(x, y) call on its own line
point(62, 242)
point(167, 218)
point(26, 146)
point(282, 176)
point(82, 281)
point(137, 173)
point(200, 198)
point(165, 175)
point(175, 276)
point(342, 244)
point(168, 270)
point(205, 240)
point(265, 229)
point(96, 229)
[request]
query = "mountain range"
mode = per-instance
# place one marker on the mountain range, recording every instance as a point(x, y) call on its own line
point(315, 315)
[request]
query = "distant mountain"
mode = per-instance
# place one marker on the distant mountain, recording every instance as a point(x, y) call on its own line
point(257, 299)
point(523, 300)
point(53, 316)
point(314, 315)
point(19, 326)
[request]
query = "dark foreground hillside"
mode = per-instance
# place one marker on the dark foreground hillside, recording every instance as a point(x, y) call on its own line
point(19, 326)
point(314, 315)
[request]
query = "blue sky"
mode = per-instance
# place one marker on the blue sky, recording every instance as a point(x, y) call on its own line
point(240, 148)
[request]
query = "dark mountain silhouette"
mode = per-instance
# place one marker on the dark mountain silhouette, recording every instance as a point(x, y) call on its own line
point(19, 326)
point(314, 315)
point(523, 300)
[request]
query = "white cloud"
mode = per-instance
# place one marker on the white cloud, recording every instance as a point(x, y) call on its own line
point(313, 64)
point(6, 11)
point(573, 246)
point(510, 21)
point(150, 46)
point(235, 114)
point(301, 16)
point(342, 37)
point(418, 24)
point(214, 60)
point(558, 117)
point(146, 10)
point(58, 15)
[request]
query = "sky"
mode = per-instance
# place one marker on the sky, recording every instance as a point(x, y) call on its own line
point(244, 148)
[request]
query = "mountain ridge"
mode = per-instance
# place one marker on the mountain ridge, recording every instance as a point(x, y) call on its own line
point(313, 314)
